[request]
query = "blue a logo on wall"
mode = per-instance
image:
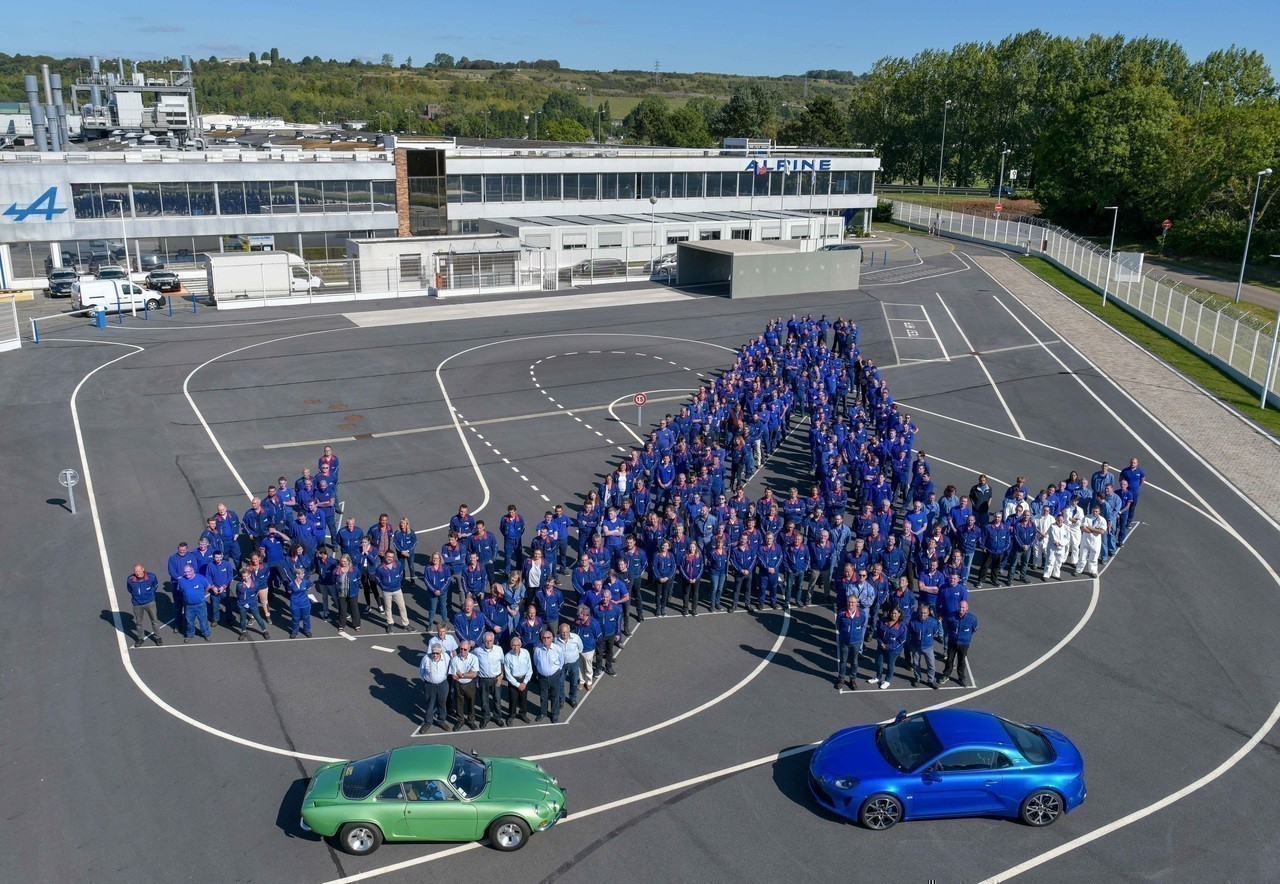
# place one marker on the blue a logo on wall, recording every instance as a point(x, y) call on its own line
point(762, 166)
point(44, 205)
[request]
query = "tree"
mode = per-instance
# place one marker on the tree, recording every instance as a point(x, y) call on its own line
point(253, 58)
point(565, 129)
point(567, 105)
point(687, 128)
point(388, 59)
point(274, 56)
point(752, 112)
point(443, 60)
point(649, 121)
point(823, 123)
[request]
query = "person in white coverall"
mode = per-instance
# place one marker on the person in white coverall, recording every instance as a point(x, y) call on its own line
point(1073, 514)
point(1094, 528)
point(1059, 543)
point(1044, 523)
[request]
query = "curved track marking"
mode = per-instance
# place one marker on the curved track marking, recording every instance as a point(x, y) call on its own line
point(626, 426)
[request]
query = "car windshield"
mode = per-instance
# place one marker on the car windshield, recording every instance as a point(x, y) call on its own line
point(360, 778)
point(909, 743)
point(469, 775)
point(1034, 746)
point(63, 274)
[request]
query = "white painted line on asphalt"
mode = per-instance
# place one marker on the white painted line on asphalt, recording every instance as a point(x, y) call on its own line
point(1008, 411)
point(544, 497)
point(348, 636)
point(381, 648)
point(550, 304)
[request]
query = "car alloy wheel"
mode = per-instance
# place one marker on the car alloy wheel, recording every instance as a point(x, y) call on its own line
point(881, 812)
point(360, 839)
point(1041, 808)
point(508, 833)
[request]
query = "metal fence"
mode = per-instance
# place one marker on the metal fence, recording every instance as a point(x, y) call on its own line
point(1213, 326)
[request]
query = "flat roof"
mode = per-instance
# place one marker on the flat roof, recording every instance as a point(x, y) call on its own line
point(738, 247)
point(643, 219)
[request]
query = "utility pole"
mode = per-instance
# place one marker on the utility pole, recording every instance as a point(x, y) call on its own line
point(946, 106)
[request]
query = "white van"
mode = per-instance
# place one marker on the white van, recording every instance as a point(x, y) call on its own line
point(106, 294)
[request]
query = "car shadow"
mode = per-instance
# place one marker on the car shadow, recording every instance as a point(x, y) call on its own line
point(791, 777)
point(289, 816)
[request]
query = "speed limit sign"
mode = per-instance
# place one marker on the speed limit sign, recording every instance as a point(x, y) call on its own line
point(639, 399)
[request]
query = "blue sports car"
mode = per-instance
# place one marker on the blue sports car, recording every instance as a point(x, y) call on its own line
point(949, 762)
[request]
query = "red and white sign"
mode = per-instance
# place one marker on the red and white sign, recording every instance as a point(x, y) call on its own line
point(1166, 224)
point(639, 399)
point(999, 207)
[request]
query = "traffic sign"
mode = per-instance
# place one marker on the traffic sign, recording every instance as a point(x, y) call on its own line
point(1166, 224)
point(999, 208)
point(68, 479)
point(639, 399)
point(1013, 174)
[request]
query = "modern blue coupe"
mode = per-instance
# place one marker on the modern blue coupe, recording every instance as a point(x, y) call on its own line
point(945, 763)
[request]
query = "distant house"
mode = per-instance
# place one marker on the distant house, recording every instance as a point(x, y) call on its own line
point(432, 111)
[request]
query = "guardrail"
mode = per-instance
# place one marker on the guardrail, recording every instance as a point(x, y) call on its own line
point(1237, 342)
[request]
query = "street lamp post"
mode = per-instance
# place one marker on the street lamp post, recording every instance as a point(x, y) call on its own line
point(124, 238)
point(653, 230)
point(1004, 154)
point(946, 106)
point(1111, 251)
point(1248, 237)
point(1269, 378)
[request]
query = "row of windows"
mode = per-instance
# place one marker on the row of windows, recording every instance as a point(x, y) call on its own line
point(643, 185)
point(183, 199)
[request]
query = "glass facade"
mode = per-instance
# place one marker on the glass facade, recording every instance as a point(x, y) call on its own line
point(187, 199)
point(643, 185)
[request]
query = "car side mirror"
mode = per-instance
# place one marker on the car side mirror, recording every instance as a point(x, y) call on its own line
point(930, 774)
point(902, 713)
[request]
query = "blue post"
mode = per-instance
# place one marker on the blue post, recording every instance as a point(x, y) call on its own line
point(169, 301)
point(35, 332)
point(100, 319)
point(146, 309)
point(194, 299)
point(119, 309)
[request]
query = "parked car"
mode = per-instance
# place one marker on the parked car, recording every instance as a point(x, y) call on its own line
point(840, 247)
point(664, 265)
point(147, 263)
point(69, 260)
point(431, 793)
point(111, 271)
point(61, 282)
point(181, 256)
point(1002, 191)
point(163, 281)
point(947, 763)
point(596, 268)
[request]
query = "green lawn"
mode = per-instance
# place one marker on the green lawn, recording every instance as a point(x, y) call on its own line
point(1204, 373)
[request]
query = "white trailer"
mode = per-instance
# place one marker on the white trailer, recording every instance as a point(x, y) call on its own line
point(240, 275)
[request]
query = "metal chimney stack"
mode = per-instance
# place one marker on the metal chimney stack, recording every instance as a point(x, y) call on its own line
point(50, 113)
point(38, 126)
point(64, 130)
point(95, 68)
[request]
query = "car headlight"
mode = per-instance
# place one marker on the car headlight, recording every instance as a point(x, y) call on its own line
point(543, 811)
point(844, 784)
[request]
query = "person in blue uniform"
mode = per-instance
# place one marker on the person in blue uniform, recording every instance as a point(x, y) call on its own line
point(299, 590)
point(691, 567)
point(142, 585)
point(662, 567)
point(851, 626)
point(1136, 476)
point(922, 631)
point(511, 527)
point(961, 627)
point(891, 635)
point(769, 567)
point(404, 541)
point(742, 564)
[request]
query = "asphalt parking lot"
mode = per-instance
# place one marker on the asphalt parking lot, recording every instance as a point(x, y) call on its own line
point(188, 761)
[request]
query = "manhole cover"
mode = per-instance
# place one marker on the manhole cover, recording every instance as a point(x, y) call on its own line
point(310, 401)
point(337, 406)
point(354, 417)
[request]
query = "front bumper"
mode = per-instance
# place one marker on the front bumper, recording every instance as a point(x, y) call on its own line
point(841, 805)
point(564, 812)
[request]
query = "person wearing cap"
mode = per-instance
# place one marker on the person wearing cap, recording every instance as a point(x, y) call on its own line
point(517, 672)
point(390, 579)
point(549, 664)
point(142, 586)
point(219, 572)
point(175, 565)
point(489, 682)
point(299, 590)
point(464, 669)
point(570, 645)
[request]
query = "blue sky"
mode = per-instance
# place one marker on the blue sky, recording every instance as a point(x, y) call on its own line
point(747, 37)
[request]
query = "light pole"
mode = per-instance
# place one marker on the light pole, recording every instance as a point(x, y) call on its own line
point(526, 125)
point(1111, 250)
point(653, 234)
point(1248, 237)
point(946, 106)
point(536, 114)
point(1200, 100)
point(1004, 154)
point(124, 238)
point(486, 124)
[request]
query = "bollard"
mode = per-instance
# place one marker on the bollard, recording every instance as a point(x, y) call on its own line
point(146, 309)
point(194, 299)
point(35, 331)
point(169, 301)
point(119, 310)
point(100, 318)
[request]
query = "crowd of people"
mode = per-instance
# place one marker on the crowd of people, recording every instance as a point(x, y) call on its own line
point(545, 607)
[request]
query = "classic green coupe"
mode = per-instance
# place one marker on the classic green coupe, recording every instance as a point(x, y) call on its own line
point(431, 793)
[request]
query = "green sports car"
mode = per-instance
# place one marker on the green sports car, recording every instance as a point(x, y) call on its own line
point(431, 793)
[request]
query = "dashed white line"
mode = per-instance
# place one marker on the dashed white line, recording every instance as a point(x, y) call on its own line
point(381, 648)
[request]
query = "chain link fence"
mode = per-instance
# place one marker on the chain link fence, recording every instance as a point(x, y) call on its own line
point(1239, 342)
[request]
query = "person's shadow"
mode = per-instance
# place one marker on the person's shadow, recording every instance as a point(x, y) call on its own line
point(397, 692)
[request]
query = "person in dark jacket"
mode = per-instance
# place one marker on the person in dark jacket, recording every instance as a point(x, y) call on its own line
point(960, 629)
point(891, 635)
point(922, 630)
point(142, 585)
point(851, 627)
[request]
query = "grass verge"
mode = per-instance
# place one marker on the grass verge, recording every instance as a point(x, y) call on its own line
point(1202, 372)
